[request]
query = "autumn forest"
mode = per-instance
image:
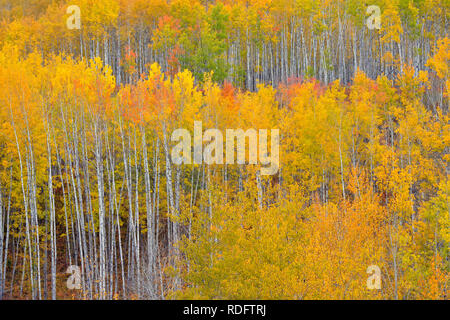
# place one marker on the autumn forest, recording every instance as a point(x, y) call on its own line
point(93, 205)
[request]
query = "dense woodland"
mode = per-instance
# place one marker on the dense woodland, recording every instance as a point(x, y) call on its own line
point(87, 179)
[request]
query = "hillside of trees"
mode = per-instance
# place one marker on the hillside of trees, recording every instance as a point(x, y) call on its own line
point(87, 178)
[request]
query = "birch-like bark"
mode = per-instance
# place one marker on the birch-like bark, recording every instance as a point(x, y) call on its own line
point(51, 203)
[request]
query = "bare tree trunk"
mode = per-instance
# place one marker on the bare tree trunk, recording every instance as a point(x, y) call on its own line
point(52, 218)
